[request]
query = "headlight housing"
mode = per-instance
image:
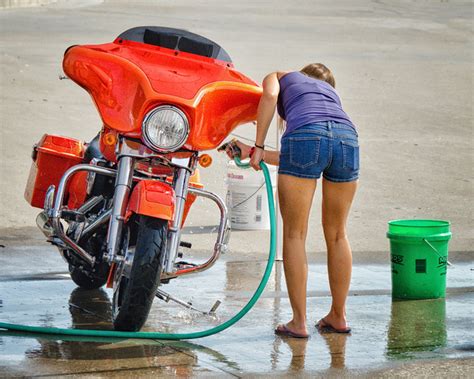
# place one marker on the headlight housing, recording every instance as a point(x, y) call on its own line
point(165, 128)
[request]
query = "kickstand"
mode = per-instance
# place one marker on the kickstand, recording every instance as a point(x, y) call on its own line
point(167, 297)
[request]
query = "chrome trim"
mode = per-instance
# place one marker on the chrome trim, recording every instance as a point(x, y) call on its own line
point(56, 223)
point(56, 211)
point(167, 298)
point(49, 199)
point(76, 229)
point(90, 204)
point(123, 184)
point(181, 187)
point(103, 218)
point(147, 139)
point(42, 221)
point(91, 175)
point(222, 235)
point(133, 149)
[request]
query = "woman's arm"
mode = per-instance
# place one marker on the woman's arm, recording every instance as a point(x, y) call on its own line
point(267, 106)
point(270, 157)
point(265, 112)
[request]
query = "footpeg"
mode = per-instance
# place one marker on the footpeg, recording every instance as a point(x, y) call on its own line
point(71, 215)
point(214, 307)
point(182, 265)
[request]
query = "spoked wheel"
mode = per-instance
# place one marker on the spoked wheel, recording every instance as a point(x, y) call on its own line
point(138, 275)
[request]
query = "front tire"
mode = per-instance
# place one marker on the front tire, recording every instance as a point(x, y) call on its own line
point(137, 277)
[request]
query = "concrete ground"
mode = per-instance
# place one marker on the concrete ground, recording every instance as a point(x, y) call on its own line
point(403, 70)
point(423, 338)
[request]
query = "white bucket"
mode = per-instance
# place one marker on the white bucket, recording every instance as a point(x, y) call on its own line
point(247, 197)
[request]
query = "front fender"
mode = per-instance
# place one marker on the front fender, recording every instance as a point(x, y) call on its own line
point(152, 198)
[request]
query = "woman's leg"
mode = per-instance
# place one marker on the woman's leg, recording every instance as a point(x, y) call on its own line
point(337, 200)
point(295, 196)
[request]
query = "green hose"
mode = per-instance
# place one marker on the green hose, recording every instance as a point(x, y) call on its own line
point(179, 336)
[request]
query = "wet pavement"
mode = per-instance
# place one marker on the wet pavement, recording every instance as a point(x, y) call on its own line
point(388, 337)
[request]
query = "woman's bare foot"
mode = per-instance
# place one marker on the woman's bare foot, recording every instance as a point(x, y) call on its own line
point(337, 322)
point(292, 328)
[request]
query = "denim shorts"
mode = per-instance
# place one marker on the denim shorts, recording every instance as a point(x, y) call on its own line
point(327, 148)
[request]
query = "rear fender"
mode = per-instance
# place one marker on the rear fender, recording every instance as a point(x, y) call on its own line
point(152, 198)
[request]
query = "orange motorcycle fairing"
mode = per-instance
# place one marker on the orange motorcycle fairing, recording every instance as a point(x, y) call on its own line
point(127, 80)
point(152, 198)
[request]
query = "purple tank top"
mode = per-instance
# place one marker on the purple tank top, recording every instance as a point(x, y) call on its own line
point(304, 100)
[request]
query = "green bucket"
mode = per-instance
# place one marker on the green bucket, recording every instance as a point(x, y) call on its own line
point(419, 255)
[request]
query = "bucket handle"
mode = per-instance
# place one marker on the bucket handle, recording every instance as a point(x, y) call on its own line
point(436, 251)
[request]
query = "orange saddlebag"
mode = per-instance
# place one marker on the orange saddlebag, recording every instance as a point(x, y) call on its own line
point(52, 156)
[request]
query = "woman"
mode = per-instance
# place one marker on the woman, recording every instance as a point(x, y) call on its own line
point(319, 139)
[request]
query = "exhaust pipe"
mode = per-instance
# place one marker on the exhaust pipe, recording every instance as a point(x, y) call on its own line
point(42, 220)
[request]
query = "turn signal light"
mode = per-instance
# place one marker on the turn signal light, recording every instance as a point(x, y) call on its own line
point(110, 139)
point(205, 160)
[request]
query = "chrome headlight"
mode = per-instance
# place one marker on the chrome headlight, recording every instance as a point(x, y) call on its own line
point(165, 128)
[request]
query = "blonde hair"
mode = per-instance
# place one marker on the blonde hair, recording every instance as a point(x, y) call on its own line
point(319, 71)
point(281, 124)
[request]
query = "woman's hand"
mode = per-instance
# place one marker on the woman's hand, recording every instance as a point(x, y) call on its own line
point(256, 158)
point(231, 150)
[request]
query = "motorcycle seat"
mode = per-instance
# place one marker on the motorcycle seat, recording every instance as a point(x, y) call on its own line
point(176, 39)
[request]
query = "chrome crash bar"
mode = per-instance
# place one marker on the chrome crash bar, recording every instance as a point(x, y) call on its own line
point(54, 214)
point(223, 236)
point(49, 220)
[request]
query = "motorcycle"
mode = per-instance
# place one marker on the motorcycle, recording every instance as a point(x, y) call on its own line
point(115, 207)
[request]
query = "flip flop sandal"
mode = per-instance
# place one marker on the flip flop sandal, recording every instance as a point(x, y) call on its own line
point(324, 327)
point(282, 330)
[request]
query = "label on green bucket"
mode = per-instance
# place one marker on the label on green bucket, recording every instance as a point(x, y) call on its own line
point(397, 259)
